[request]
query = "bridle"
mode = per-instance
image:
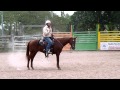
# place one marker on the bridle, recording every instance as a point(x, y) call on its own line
point(73, 45)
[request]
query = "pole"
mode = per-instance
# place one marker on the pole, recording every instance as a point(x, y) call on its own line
point(2, 26)
point(2, 23)
point(98, 36)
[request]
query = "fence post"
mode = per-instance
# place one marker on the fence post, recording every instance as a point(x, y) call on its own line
point(12, 42)
point(72, 27)
point(71, 30)
point(98, 36)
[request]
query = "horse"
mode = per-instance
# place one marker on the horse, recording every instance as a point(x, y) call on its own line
point(33, 47)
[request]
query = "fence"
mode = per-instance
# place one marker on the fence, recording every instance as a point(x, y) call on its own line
point(62, 35)
point(86, 40)
point(109, 40)
point(5, 42)
point(20, 42)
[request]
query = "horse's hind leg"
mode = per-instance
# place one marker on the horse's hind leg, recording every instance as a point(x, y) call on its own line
point(33, 55)
point(28, 63)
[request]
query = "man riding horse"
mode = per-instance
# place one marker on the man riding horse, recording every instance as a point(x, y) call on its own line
point(48, 35)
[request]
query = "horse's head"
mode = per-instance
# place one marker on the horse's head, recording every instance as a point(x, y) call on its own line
point(72, 42)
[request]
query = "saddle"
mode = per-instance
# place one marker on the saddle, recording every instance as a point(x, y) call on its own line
point(44, 44)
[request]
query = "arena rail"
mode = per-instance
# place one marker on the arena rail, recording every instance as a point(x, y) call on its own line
point(109, 40)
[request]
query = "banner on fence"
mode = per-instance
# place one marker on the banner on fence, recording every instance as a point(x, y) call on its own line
point(109, 45)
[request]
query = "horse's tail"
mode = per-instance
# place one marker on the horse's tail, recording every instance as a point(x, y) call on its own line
point(27, 51)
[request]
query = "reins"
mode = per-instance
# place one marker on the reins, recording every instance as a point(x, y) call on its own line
point(59, 42)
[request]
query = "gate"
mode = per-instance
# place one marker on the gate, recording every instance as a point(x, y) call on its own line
point(86, 40)
point(5, 42)
point(20, 42)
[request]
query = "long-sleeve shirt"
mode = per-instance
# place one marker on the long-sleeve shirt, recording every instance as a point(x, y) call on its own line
point(47, 31)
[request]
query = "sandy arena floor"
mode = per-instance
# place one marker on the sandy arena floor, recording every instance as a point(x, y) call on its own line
point(74, 65)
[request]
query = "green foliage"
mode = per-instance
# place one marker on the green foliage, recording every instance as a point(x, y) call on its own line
point(13, 20)
point(87, 20)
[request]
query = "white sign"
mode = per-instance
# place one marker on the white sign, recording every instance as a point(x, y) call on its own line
point(109, 45)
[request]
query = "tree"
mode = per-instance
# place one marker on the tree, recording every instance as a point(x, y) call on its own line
point(13, 19)
point(83, 20)
point(86, 20)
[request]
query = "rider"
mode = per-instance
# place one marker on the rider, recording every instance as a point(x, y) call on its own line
point(47, 35)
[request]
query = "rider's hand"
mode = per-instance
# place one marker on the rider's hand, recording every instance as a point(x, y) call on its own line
point(52, 35)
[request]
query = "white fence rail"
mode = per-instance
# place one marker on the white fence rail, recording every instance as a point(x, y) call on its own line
point(20, 42)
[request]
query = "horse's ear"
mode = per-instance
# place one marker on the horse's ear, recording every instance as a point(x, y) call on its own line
point(74, 37)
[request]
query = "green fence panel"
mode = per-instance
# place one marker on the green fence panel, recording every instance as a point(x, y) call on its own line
point(86, 40)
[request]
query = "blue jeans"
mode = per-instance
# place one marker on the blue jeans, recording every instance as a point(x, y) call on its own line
point(50, 43)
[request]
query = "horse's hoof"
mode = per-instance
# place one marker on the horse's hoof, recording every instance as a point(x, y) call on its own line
point(59, 68)
point(47, 56)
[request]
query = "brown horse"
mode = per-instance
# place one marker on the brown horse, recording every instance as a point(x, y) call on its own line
point(33, 47)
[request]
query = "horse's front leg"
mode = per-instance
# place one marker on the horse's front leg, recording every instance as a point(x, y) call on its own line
point(57, 56)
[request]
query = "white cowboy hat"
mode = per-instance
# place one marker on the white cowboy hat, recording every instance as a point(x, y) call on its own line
point(48, 21)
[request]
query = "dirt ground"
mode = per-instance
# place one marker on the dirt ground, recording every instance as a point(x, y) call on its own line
point(74, 65)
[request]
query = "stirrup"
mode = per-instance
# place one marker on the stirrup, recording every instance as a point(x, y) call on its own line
point(49, 52)
point(44, 50)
